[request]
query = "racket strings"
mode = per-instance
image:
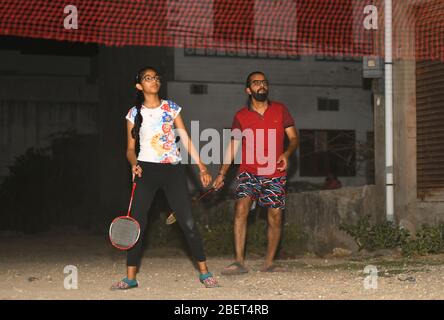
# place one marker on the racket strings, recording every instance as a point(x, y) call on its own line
point(124, 232)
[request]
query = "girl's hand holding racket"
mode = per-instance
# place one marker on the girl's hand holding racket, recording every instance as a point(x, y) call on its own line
point(219, 182)
point(205, 178)
point(137, 170)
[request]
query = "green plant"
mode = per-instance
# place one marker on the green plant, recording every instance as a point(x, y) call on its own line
point(386, 235)
point(218, 233)
point(24, 194)
point(294, 240)
point(159, 234)
point(429, 239)
point(50, 186)
point(372, 237)
point(361, 232)
point(218, 236)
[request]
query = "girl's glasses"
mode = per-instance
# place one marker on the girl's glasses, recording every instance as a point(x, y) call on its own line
point(149, 79)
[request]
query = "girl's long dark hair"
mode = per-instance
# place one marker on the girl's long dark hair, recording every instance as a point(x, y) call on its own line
point(139, 101)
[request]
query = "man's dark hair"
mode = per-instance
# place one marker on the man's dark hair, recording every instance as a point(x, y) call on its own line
point(247, 83)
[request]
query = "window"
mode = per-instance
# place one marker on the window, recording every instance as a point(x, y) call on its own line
point(369, 154)
point(324, 151)
point(198, 89)
point(337, 57)
point(326, 104)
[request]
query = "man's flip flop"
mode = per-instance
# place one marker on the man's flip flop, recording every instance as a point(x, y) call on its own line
point(234, 269)
point(274, 268)
point(171, 219)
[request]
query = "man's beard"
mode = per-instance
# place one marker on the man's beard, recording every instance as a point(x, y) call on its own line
point(261, 97)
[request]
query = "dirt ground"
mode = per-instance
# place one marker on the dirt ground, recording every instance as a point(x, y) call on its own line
point(32, 267)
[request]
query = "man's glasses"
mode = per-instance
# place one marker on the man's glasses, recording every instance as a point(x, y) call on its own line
point(149, 79)
point(259, 82)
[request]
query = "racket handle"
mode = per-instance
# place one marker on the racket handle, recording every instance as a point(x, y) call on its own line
point(132, 197)
point(206, 193)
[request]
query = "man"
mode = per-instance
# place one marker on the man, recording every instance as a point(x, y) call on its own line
point(262, 174)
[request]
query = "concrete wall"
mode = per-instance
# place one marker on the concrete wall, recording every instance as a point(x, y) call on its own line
point(297, 83)
point(319, 215)
point(41, 95)
point(305, 71)
point(216, 110)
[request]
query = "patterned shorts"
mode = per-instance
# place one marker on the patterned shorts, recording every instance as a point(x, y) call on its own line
point(268, 191)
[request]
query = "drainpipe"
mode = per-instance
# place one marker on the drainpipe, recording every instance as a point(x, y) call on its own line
point(389, 111)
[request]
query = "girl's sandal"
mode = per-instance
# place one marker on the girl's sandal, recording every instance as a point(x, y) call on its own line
point(208, 280)
point(125, 284)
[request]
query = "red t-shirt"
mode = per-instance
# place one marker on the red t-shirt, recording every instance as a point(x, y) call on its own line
point(262, 138)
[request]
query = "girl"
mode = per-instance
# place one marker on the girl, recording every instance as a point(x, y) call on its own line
point(150, 131)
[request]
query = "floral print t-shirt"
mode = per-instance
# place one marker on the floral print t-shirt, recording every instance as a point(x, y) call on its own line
point(157, 138)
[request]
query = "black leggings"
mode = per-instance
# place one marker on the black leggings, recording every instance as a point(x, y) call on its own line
point(172, 179)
